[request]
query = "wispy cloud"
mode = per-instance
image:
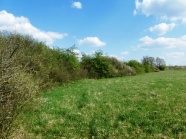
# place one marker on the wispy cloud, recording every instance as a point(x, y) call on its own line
point(77, 5)
point(175, 54)
point(22, 25)
point(173, 10)
point(91, 41)
point(162, 28)
point(162, 42)
point(125, 53)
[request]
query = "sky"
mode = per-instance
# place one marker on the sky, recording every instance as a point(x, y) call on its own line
point(125, 29)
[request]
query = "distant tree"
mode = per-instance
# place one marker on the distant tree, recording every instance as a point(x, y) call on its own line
point(160, 63)
point(148, 63)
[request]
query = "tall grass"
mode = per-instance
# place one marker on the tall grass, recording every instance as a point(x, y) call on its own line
point(144, 106)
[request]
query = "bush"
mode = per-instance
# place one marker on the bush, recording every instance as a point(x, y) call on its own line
point(139, 68)
point(65, 65)
point(48, 66)
point(15, 93)
point(16, 89)
point(99, 66)
point(120, 69)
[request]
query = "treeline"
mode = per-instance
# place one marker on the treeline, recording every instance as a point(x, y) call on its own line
point(28, 66)
point(147, 64)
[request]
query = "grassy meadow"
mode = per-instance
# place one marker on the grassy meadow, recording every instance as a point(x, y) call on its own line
point(151, 105)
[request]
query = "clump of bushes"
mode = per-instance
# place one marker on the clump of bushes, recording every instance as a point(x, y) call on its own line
point(100, 66)
point(147, 64)
point(139, 67)
point(17, 87)
point(120, 69)
point(176, 67)
point(65, 65)
point(97, 65)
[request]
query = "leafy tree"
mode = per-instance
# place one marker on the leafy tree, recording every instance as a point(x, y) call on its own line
point(148, 63)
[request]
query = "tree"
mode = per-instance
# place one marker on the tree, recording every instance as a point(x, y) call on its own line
point(148, 63)
point(160, 63)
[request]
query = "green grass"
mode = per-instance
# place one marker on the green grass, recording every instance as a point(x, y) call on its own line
point(144, 106)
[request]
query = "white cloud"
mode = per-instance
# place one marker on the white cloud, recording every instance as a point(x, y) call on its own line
point(114, 56)
point(166, 9)
point(22, 25)
point(91, 41)
point(162, 28)
point(162, 42)
point(76, 51)
point(125, 53)
point(175, 55)
point(77, 5)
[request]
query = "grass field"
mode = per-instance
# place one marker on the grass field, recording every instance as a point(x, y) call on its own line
point(144, 106)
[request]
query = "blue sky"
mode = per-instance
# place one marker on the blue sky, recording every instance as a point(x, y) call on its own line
point(125, 29)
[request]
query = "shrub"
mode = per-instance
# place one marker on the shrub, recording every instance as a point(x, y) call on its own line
point(49, 66)
point(67, 64)
point(16, 89)
point(129, 70)
point(119, 68)
point(97, 65)
point(139, 68)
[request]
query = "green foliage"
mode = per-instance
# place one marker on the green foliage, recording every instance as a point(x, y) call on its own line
point(162, 67)
point(17, 87)
point(176, 67)
point(160, 63)
point(148, 63)
point(48, 66)
point(139, 67)
point(119, 68)
point(97, 65)
point(152, 64)
point(100, 66)
point(64, 65)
